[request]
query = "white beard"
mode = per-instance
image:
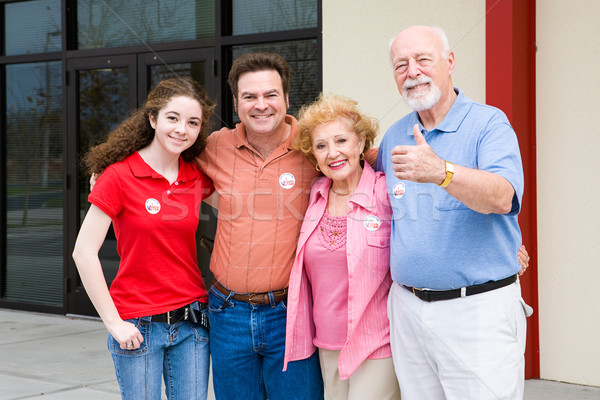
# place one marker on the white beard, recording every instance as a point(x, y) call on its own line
point(422, 101)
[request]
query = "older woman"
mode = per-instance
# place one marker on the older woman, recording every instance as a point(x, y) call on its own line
point(340, 279)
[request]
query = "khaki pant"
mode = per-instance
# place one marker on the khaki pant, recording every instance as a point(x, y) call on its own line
point(374, 379)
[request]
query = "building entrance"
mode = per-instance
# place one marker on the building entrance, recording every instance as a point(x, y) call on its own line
point(101, 92)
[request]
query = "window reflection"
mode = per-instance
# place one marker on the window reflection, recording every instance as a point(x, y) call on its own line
point(112, 23)
point(32, 27)
point(103, 104)
point(261, 16)
point(34, 183)
point(195, 70)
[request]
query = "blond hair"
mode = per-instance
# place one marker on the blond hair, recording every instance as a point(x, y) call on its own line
point(329, 108)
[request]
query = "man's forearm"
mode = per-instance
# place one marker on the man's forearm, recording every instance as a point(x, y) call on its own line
point(481, 191)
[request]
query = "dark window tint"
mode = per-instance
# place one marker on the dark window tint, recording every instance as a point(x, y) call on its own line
point(260, 16)
point(113, 23)
point(32, 27)
point(34, 183)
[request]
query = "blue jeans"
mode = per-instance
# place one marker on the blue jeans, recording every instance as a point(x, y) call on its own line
point(247, 344)
point(178, 352)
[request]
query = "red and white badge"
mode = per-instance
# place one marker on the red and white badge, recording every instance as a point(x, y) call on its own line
point(152, 206)
point(398, 190)
point(372, 223)
point(287, 180)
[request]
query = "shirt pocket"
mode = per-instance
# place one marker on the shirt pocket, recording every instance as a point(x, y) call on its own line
point(378, 254)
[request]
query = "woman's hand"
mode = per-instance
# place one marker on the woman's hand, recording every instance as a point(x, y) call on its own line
point(126, 333)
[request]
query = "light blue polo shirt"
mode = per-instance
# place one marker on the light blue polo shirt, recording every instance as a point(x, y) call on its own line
point(437, 242)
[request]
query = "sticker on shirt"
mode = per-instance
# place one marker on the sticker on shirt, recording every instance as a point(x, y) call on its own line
point(372, 223)
point(398, 190)
point(287, 180)
point(152, 206)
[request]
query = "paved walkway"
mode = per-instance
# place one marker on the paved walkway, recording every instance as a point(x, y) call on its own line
point(54, 357)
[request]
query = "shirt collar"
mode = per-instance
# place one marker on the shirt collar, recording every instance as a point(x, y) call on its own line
point(452, 121)
point(139, 168)
point(362, 196)
point(242, 137)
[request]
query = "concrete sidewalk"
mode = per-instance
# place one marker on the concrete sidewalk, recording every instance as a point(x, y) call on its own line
point(48, 357)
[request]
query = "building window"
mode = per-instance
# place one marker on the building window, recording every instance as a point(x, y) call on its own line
point(114, 23)
point(34, 183)
point(32, 27)
point(261, 16)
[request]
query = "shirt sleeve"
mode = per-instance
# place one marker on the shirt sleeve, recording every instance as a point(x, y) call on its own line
point(207, 185)
point(499, 153)
point(379, 162)
point(384, 205)
point(107, 193)
point(206, 159)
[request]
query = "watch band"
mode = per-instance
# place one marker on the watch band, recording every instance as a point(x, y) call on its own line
point(449, 174)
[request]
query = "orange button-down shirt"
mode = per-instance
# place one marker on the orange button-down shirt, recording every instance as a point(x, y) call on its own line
point(261, 208)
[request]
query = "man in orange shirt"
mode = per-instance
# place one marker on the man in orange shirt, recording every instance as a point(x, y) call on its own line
point(263, 187)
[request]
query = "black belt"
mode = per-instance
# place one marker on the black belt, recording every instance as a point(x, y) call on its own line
point(437, 295)
point(184, 313)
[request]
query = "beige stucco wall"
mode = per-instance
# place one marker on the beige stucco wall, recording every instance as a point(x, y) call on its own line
point(356, 37)
point(568, 162)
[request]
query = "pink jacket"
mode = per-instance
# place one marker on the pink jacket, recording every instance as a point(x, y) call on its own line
point(368, 254)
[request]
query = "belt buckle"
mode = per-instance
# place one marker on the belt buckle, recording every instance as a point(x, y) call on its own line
point(250, 301)
point(185, 315)
point(422, 294)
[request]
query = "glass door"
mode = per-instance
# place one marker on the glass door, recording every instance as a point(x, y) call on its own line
point(101, 93)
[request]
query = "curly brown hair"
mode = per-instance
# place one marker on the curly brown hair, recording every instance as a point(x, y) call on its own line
point(136, 133)
point(328, 109)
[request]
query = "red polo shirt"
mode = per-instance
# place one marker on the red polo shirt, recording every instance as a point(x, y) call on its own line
point(155, 224)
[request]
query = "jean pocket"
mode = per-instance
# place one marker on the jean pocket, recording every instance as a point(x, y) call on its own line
point(216, 301)
point(283, 304)
point(143, 325)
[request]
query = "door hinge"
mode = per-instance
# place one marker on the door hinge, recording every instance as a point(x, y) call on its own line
point(215, 67)
point(67, 78)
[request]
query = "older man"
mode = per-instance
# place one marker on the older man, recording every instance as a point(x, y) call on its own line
point(455, 180)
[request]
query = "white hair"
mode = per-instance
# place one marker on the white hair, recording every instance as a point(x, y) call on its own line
point(441, 36)
point(443, 39)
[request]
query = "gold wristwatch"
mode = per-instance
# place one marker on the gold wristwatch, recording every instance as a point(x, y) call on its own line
point(449, 173)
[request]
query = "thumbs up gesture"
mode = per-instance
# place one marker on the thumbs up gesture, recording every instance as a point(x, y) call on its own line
point(418, 163)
